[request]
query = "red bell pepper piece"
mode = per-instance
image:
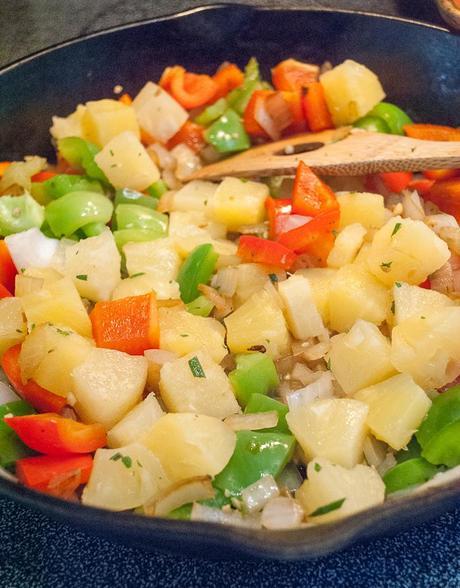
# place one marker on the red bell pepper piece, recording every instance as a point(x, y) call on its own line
point(426, 284)
point(310, 195)
point(41, 399)
point(422, 185)
point(441, 174)
point(292, 75)
point(256, 102)
point(52, 434)
point(446, 195)
point(4, 293)
point(299, 123)
point(189, 89)
point(257, 250)
point(227, 78)
point(43, 176)
point(316, 109)
point(429, 132)
point(396, 181)
point(8, 270)
point(3, 166)
point(128, 324)
point(58, 476)
point(191, 134)
point(274, 208)
point(125, 99)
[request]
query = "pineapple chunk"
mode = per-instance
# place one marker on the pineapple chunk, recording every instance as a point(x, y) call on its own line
point(94, 266)
point(49, 354)
point(158, 113)
point(124, 478)
point(406, 250)
point(49, 275)
point(356, 294)
point(194, 223)
point(190, 445)
point(351, 91)
point(361, 258)
point(126, 163)
point(24, 285)
point(360, 357)
point(182, 332)
point(136, 423)
point(224, 249)
point(364, 208)
point(135, 286)
point(334, 428)
point(237, 202)
point(105, 119)
point(327, 483)
point(320, 280)
point(347, 245)
point(397, 406)
point(107, 385)
point(412, 301)
point(58, 303)
point(259, 321)
point(301, 314)
point(196, 195)
point(69, 126)
point(159, 261)
point(428, 347)
point(251, 277)
point(183, 390)
point(12, 324)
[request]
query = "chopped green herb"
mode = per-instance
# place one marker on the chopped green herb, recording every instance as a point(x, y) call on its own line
point(423, 317)
point(386, 266)
point(23, 269)
point(139, 463)
point(396, 228)
point(32, 326)
point(393, 307)
point(273, 278)
point(50, 350)
point(317, 467)
point(398, 284)
point(196, 367)
point(19, 331)
point(322, 510)
point(184, 335)
point(62, 332)
point(125, 459)
point(137, 275)
point(328, 364)
point(116, 456)
point(82, 277)
point(111, 152)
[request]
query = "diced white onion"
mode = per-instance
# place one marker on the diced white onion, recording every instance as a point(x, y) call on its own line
point(321, 388)
point(374, 451)
point(303, 374)
point(282, 513)
point(203, 513)
point(412, 205)
point(317, 351)
point(256, 496)
point(7, 394)
point(187, 161)
point(386, 464)
point(226, 281)
point(451, 235)
point(290, 478)
point(252, 421)
point(159, 356)
point(180, 494)
point(161, 156)
point(31, 248)
point(437, 222)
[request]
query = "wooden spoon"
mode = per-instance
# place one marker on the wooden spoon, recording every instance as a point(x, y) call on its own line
point(339, 152)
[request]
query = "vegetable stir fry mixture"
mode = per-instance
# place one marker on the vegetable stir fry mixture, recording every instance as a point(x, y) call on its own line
point(267, 353)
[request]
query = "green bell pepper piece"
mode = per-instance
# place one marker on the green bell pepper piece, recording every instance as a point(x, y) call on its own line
point(135, 236)
point(261, 403)
point(239, 98)
point(128, 196)
point(394, 117)
point(183, 512)
point(411, 472)
point(444, 448)
point(80, 154)
point(212, 112)
point(75, 210)
point(255, 373)
point(256, 454)
point(201, 306)
point(93, 229)
point(227, 133)
point(157, 189)
point(372, 123)
point(19, 213)
point(11, 446)
point(64, 183)
point(39, 193)
point(197, 269)
point(412, 451)
point(134, 216)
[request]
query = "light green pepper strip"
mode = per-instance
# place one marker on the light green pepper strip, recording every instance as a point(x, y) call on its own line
point(134, 216)
point(135, 236)
point(227, 133)
point(80, 154)
point(255, 373)
point(19, 213)
point(75, 210)
point(93, 229)
point(239, 98)
point(62, 184)
point(197, 269)
point(394, 117)
point(11, 447)
point(201, 306)
point(212, 112)
point(157, 189)
point(183, 512)
point(128, 196)
point(372, 123)
point(406, 474)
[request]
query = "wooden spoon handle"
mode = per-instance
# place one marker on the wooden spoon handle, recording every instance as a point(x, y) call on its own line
point(340, 152)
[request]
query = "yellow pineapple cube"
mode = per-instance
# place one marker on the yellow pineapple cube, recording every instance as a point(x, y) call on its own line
point(251, 277)
point(136, 423)
point(301, 314)
point(320, 280)
point(12, 324)
point(135, 286)
point(238, 202)
point(346, 245)
point(412, 301)
point(69, 126)
point(194, 196)
point(105, 119)
point(364, 208)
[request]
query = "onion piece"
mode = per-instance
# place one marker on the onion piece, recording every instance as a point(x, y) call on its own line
point(412, 205)
point(386, 464)
point(303, 374)
point(225, 281)
point(7, 394)
point(223, 305)
point(282, 512)
point(374, 451)
point(179, 494)
point(19, 173)
point(252, 421)
point(31, 248)
point(290, 478)
point(437, 222)
point(187, 161)
point(201, 512)
point(171, 180)
point(451, 235)
point(321, 388)
point(161, 156)
point(256, 496)
point(27, 285)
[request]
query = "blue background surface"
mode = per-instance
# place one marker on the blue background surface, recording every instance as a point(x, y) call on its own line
point(37, 552)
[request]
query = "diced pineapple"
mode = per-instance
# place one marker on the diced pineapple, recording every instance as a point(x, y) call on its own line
point(136, 423)
point(364, 208)
point(107, 385)
point(158, 113)
point(124, 478)
point(49, 354)
point(225, 249)
point(428, 347)
point(349, 491)
point(105, 119)
point(192, 223)
point(351, 91)
point(356, 294)
point(190, 445)
point(334, 428)
point(346, 245)
point(361, 258)
point(49, 275)
point(259, 321)
point(196, 195)
point(69, 126)
point(320, 280)
point(94, 266)
point(157, 259)
point(12, 324)
point(360, 357)
point(24, 285)
point(406, 250)
point(126, 163)
point(397, 406)
point(58, 303)
point(412, 301)
point(135, 286)
point(182, 332)
point(251, 277)
point(184, 388)
point(301, 314)
point(238, 202)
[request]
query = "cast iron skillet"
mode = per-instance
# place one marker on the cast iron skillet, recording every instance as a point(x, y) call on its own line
point(418, 66)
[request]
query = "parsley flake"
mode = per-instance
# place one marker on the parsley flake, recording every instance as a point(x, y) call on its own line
point(398, 284)
point(137, 275)
point(273, 278)
point(196, 368)
point(62, 332)
point(82, 277)
point(317, 467)
point(386, 266)
point(184, 335)
point(125, 459)
point(328, 364)
point(396, 228)
point(322, 510)
point(393, 307)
